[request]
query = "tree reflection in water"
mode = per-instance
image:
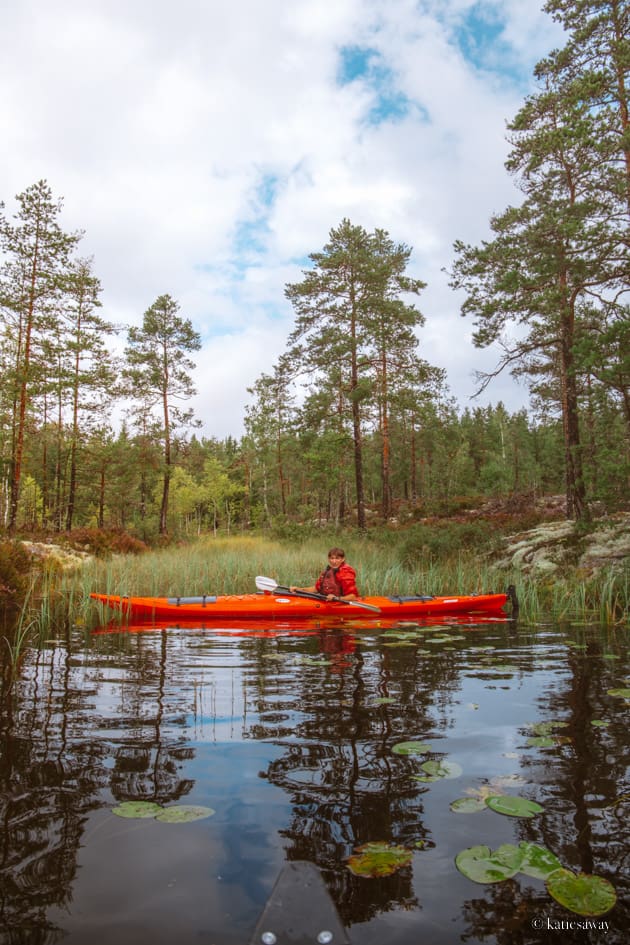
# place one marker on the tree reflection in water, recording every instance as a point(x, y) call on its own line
point(87, 724)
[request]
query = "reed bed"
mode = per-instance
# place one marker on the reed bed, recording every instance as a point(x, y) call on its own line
point(230, 565)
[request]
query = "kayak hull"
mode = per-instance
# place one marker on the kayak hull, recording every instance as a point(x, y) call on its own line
point(274, 607)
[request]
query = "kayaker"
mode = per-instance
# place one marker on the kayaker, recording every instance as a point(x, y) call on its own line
point(338, 580)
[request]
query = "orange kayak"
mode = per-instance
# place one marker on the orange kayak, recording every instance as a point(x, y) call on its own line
point(286, 607)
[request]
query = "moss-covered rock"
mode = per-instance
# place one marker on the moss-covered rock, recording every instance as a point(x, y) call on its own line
point(560, 546)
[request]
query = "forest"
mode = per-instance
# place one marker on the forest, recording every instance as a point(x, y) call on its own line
point(351, 425)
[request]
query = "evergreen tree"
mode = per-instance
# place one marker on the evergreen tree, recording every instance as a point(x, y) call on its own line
point(158, 374)
point(267, 421)
point(37, 253)
point(91, 374)
point(560, 247)
point(348, 308)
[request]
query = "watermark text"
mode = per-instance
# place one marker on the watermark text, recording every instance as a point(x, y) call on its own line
point(548, 924)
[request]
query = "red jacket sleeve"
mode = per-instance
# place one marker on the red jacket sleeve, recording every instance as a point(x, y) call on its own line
point(347, 578)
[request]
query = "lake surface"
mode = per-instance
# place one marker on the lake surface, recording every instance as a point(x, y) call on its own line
point(289, 739)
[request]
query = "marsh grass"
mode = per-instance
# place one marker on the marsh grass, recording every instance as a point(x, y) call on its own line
point(15, 640)
point(230, 565)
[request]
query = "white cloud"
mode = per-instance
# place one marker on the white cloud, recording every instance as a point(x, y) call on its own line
point(158, 123)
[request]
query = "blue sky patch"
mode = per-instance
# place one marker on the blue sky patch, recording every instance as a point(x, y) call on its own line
point(355, 62)
point(479, 35)
point(366, 64)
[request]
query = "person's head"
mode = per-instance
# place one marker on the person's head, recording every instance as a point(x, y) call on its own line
point(336, 556)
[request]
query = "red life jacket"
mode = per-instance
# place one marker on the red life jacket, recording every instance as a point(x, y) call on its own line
point(338, 581)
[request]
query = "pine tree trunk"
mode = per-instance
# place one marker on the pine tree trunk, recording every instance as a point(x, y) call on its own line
point(575, 492)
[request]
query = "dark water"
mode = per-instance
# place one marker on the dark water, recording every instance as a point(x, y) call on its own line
point(286, 739)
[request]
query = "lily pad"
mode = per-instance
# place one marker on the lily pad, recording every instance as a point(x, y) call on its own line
point(534, 860)
point(442, 769)
point(378, 859)
point(184, 813)
point(513, 806)
point(599, 723)
point(411, 748)
point(467, 805)
point(137, 809)
point(384, 700)
point(541, 741)
point(482, 866)
point(546, 728)
point(581, 893)
point(623, 693)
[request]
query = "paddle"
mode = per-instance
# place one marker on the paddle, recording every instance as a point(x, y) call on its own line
point(268, 584)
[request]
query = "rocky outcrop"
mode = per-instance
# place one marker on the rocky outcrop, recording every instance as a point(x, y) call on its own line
point(65, 559)
point(559, 546)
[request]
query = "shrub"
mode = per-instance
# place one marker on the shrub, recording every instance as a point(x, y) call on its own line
point(15, 570)
point(443, 541)
point(104, 542)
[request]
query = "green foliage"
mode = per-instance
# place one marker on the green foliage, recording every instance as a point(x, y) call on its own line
point(15, 568)
point(423, 543)
point(557, 263)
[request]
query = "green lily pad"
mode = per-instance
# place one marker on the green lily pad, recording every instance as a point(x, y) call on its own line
point(482, 866)
point(137, 809)
point(541, 741)
point(513, 806)
point(546, 728)
point(411, 748)
point(581, 893)
point(384, 700)
point(623, 693)
point(378, 859)
point(532, 859)
point(467, 805)
point(599, 723)
point(184, 813)
point(442, 769)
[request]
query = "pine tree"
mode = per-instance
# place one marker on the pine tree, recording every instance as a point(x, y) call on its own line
point(556, 252)
point(37, 254)
point(349, 321)
point(158, 373)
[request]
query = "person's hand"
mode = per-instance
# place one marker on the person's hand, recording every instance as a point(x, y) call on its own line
point(330, 597)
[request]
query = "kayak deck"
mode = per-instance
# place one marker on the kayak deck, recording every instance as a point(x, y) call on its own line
point(268, 606)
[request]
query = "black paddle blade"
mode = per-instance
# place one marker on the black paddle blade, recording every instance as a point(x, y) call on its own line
point(299, 910)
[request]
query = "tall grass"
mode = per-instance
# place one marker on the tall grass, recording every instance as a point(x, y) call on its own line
point(230, 565)
point(14, 641)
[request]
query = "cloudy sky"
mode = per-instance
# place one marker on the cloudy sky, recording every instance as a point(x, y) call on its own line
point(206, 147)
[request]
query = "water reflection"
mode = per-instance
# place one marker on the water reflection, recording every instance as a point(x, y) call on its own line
point(289, 738)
